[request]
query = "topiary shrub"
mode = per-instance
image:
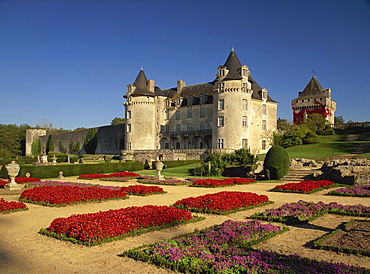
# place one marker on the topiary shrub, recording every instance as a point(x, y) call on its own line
point(276, 164)
point(146, 165)
point(4, 172)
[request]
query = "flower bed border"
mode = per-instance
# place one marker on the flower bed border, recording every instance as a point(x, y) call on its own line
point(318, 243)
point(13, 209)
point(135, 232)
point(155, 182)
point(210, 211)
point(70, 204)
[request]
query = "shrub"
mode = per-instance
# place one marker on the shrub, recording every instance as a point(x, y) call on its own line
point(146, 164)
point(50, 144)
point(311, 138)
point(276, 164)
point(4, 172)
point(91, 141)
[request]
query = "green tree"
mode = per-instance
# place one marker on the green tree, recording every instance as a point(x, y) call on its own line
point(50, 144)
point(338, 120)
point(283, 125)
point(36, 147)
point(12, 140)
point(77, 148)
point(316, 122)
point(276, 164)
point(91, 141)
point(117, 121)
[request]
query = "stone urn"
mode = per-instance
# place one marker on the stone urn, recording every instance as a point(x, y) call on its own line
point(159, 166)
point(13, 170)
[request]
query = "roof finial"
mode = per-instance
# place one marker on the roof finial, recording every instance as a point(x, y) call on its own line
point(141, 68)
point(232, 48)
point(313, 73)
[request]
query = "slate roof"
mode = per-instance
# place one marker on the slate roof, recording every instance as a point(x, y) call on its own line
point(141, 84)
point(233, 64)
point(312, 90)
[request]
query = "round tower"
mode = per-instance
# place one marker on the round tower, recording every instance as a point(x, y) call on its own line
point(233, 99)
point(140, 114)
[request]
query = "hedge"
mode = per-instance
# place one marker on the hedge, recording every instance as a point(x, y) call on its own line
point(52, 171)
point(177, 163)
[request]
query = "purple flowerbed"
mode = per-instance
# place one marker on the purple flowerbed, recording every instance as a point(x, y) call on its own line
point(225, 248)
point(358, 191)
point(165, 182)
point(307, 211)
point(57, 183)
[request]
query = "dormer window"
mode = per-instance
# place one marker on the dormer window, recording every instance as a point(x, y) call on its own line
point(178, 101)
point(264, 94)
point(190, 100)
point(203, 99)
point(168, 103)
point(222, 72)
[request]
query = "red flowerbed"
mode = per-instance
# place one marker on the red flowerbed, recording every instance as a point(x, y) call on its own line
point(117, 174)
point(222, 182)
point(304, 186)
point(222, 202)
point(19, 180)
point(95, 227)
point(6, 206)
point(142, 190)
point(64, 195)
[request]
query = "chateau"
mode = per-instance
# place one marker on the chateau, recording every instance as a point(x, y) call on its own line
point(313, 99)
point(231, 112)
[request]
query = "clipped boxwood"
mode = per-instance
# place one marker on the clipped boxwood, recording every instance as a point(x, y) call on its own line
point(52, 171)
point(276, 164)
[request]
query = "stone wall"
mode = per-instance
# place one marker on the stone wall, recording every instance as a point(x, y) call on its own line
point(31, 135)
point(110, 139)
point(347, 171)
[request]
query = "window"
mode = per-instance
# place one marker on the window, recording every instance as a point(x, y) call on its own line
point(177, 114)
point(264, 94)
point(245, 104)
point(221, 104)
point(164, 128)
point(168, 103)
point(221, 121)
point(190, 100)
point(167, 113)
point(201, 144)
point(202, 126)
point(129, 114)
point(128, 127)
point(190, 113)
point(177, 145)
point(220, 143)
point(263, 144)
point(128, 146)
point(190, 126)
point(222, 72)
point(202, 112)
point(264, 126)
point(167, 145)
point(177, 127)
point(203, 99)
point(244, 121)
point(245, 143)
point(264, 109)
point(222, 87)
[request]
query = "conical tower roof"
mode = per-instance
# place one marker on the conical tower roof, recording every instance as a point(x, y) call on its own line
point(233, 64)
point(141, 85)
point(312, 89)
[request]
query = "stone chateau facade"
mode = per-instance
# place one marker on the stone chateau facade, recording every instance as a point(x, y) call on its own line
point(231, 112)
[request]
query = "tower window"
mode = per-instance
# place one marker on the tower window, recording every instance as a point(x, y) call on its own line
point(129, 114)
point(245, 143)
point(264, 125)
point(128, 146)
point(245, 104)
point(220, 143)
point(221, 121)
point(263, 144)
point(264, 109)
point(128, 127)
point(221, 104)
point(244, 121)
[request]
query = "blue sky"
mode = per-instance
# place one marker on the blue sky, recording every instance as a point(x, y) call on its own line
point(69, 61)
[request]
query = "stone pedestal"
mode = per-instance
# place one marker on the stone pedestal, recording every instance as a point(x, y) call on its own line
point(13, 170)
point(159, 166)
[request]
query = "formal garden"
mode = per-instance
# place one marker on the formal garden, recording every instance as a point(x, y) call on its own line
point(118, 217)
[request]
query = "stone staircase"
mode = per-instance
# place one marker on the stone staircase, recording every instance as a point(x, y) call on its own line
point(297, 175)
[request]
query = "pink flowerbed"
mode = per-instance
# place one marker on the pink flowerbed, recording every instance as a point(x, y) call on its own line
point(93, 228)
point(222, 202)
point(221, 182)
point(6, 206)
point(142, 190)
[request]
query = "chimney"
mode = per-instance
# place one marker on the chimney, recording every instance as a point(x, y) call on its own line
point(151, 85)
point(180, 85)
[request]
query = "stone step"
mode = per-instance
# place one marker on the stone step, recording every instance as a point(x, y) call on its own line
point(298, 175)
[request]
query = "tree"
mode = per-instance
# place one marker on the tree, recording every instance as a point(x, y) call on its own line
point(283, 125)
point(117, 121)
point(316, 122)
point(50, 144)
point(12, 140)
point(338, 120)
point(91, 141)
point(36, 147)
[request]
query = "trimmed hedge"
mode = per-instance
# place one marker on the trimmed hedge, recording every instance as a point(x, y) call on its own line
point(170, 164)
point(276, 164)
point(52, 171)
